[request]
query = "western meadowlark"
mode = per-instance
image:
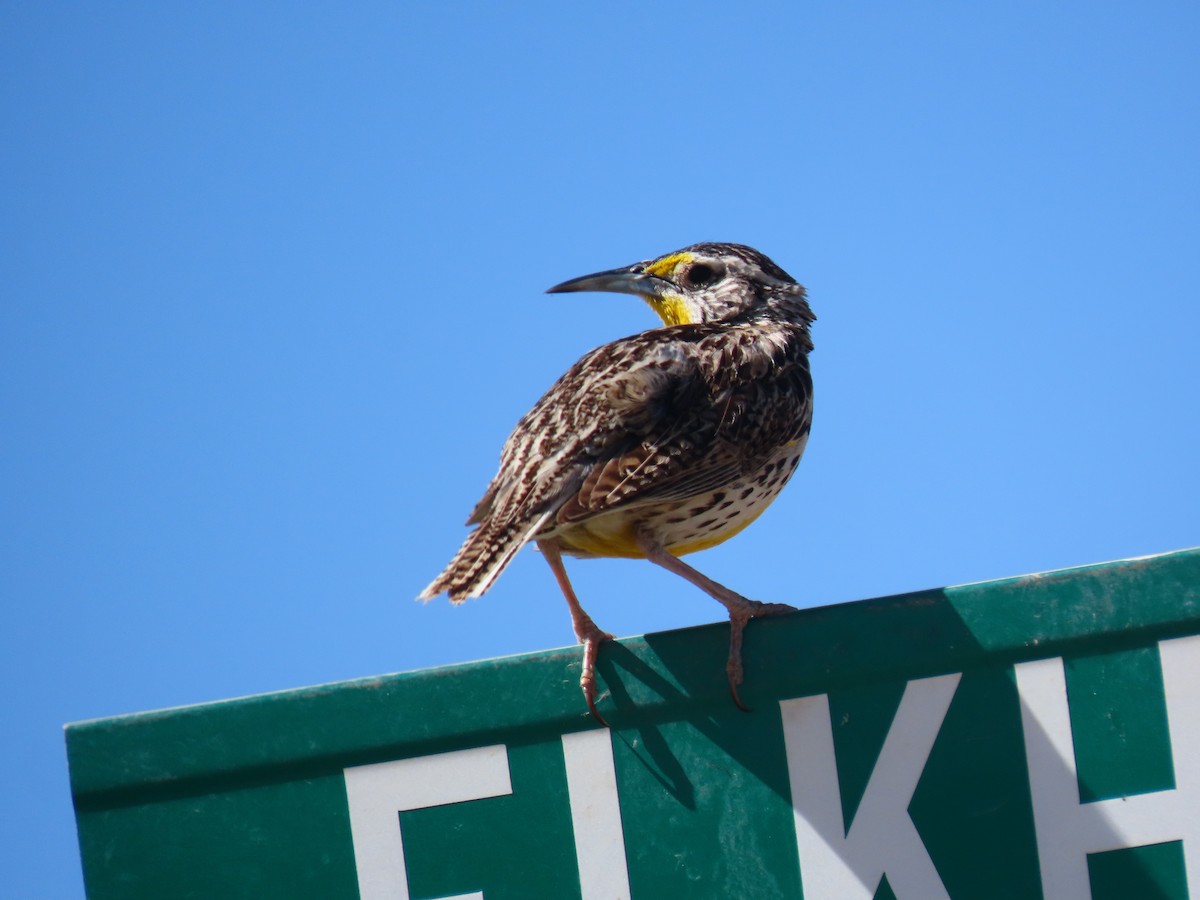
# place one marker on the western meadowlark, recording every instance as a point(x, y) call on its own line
point(659, 444)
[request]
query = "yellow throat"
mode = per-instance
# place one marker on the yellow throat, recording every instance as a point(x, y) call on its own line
point(671, 308)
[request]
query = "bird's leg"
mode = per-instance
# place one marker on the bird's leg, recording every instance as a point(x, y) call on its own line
point(588, 633)
point(741, 610)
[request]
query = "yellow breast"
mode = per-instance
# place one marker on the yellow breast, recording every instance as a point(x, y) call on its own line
point(682, 526)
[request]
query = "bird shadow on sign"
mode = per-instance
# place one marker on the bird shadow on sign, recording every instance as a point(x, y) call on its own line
point(667, 699)
point(654, 750)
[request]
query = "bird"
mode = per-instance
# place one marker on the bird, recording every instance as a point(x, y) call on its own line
point(657, 445)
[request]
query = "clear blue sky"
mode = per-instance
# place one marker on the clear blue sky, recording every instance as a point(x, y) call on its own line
point(271, 299)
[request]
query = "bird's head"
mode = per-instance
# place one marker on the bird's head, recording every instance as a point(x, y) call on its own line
point(702, 283)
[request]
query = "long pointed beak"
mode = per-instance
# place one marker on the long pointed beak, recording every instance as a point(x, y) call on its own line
point(628, 280)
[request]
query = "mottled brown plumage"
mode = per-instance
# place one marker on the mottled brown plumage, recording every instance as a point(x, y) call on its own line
point(658, 444)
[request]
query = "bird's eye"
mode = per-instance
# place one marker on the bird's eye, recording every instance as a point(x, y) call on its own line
point(700, 275)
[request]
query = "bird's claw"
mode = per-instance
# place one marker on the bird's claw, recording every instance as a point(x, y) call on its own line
point(591, 640)
point(757, 609)
point(589, 694)
point(738, 619)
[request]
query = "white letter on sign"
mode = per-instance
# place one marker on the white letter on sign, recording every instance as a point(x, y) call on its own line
point(1068, 830)
point(596, 815)
point(840, 865)
point(377, 794)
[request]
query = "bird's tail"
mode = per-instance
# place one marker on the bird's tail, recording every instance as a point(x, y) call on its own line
point(483, 556)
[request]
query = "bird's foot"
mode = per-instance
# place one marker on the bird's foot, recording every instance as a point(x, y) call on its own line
point(741, 611)
point(759, 610)
point(591, 637)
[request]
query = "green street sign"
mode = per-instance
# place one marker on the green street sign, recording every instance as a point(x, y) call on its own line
point(1031, 737)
